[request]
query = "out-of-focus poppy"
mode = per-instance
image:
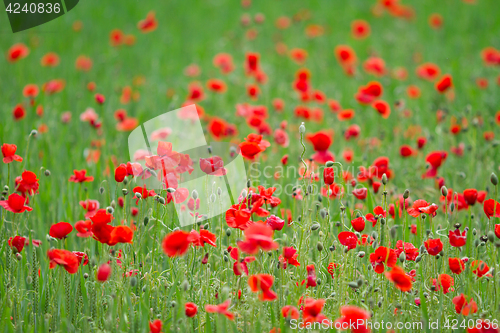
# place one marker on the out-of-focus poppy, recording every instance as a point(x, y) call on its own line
point(176, 243)
point(221, 309)
point(400, 279)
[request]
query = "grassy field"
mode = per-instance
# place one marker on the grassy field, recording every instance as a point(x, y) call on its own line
point(155, 268)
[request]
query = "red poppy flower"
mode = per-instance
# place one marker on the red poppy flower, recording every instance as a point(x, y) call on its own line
point(121, 234)
point(374, 66)
point(383, 108)
point(464, 307)
point(457, 239)
point(354, 318)
point(9, 153)
point(238, 216)
point(407, 151)
point(428, 71)
point(155, 326)
point(312, 311)
point(80, 176)
point(213, 166)
point(253, 146)
point(321, 140)
point(252, 63)
point(262, 283)
point(444, 83)
point(216, 85)
point(470, 196)
point(60, 230)
point(435, 21)
point(275, 222)
point(120, 173)
point(348, 239)
point(84, 228)
point(257, 236)
point(383, 255)
point(346, 114)
point(360, 29)
point(289, 256)
point(491, 208)
point(50, 59)
point(328, 176)
point(435, 160)
point(360, 193)
point(298, 55)
point(401, 280)
point(358, 224)
point(457, 265)
point(18, 112)
point(149, 24)
point(444, 281)
point(221, 309)
point(409, 249)
point(27, 183)
point(15, 203)
point(434, 246)
point(67, 259)
point(17, 52)
point(289, 311)
point(100, 228)
point(202, 238)
point(103, 273)
point(84, 63)
point(480, 268)
point(345, 55)
point(17, 243)
point(176, 243)
point(190, 309)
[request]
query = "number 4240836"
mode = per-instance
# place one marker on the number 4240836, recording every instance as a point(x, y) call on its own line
point(33, 8)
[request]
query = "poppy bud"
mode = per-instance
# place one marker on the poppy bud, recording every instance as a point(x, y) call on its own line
point(101, 190)
point(319, 246)
point(402, 257)
point(125, 181)
point(47, 173)
point(185, 285)
point(374, 234)
point(226, 259)
point(353, 285)
point(29, 280)
point(170, 190)
point(209, 149)
point(133, 281)
point(173, 304)
point(5, 193)
point(205, 259)
point(125, 191)
point(144, 289)
point(161, 200)
point(332, 248)
point(113, 204)
point(393, 232)
point(33, 133)
point(452, 207)
point(194, 194)
point(110, 210)
point(406, 194)
point(85, 275)
point(19, 256)
point(103, 273)
point(315, 226)
point(384, 179)
point(138, 195)
point(323, 213)
point(302, 128)
point(219, 191)
point(382, 221)
point(6, 188)
point(361, 254)
point(444, 191)
point(228, 232)
point(494, 179)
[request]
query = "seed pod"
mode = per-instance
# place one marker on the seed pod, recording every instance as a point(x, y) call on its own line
point(353, 285)
point(47, 173)
point(406, 194)
point(444, 191)
point(494, 179)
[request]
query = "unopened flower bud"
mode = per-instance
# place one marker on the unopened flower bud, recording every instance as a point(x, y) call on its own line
point(494, 179)
point(47, 173)
point(170, 190)
point(125, 191)
point(384, 179)
point(110, 210)
point(302, 128)
point(194, 194)
point(406, 194)
point(444, 191)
